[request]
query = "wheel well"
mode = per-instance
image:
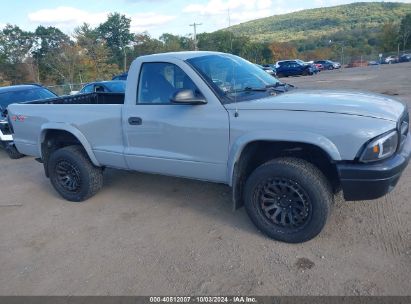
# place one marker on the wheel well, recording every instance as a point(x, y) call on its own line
point(259, 152)
point(54, 140)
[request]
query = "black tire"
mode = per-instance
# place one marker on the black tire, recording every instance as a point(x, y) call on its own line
point(330, 68)
point(13, 153)
point(73, 175)
point(305, 73)
point(310, 192)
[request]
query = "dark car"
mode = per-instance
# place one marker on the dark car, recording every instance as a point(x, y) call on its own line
point(14, 94)
point(122, 76)
point(287, 68)
point(405, 58)
point(328, 64)
point(112, 86)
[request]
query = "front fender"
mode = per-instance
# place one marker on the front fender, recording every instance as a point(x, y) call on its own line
point(237, 147)
point(72, 130)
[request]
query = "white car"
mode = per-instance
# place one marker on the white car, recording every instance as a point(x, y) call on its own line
point(391, 59)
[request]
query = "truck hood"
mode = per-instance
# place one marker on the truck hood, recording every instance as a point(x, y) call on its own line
point(343, 102)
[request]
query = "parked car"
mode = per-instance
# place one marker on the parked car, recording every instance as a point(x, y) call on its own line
point(112, 86)
point(328, 64)
point(405, 58)
point(12, 94)
point(267, 69)
point(391, 60)
point(122, 76)
point(287, 68)
point(337, 65)
point(217, 117)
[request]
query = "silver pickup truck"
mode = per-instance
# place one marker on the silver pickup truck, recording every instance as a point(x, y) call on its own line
point(216, 117)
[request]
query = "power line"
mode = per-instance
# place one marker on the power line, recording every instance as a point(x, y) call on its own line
point(195, 34)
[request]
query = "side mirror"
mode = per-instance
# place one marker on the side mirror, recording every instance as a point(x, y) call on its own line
point(187, 97)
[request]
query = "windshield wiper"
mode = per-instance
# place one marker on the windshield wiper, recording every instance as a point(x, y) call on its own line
point(248, 89)
point(280, 86)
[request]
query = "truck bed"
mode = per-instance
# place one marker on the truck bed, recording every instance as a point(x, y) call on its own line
point(89, 98)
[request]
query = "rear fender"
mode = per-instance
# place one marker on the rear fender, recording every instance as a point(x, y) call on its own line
point(72, 130)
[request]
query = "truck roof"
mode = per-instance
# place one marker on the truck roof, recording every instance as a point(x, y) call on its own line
point(180, 55)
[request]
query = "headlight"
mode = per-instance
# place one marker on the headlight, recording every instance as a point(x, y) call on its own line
point(381, 147)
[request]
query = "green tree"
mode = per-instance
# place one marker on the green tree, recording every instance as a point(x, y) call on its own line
point(389, 36)
point(96, 55)
point(14, 44)
point(116, 31)
point(171, 42)
point(405, 31)
point(49, 42)
point(144, 44)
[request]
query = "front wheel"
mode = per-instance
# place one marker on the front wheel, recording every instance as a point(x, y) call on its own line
point(288, 199)
point(73, 175)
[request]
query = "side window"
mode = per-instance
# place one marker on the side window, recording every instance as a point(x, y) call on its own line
point(99, 88)
point(160, 81)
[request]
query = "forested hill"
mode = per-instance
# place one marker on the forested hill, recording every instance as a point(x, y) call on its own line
point(322, 22)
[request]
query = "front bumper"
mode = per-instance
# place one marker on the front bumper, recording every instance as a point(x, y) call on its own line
point(371, 181)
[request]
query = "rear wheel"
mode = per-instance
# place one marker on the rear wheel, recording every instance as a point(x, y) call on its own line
point(288, 199)
point(73, 175)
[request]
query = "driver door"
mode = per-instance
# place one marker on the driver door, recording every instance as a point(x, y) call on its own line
point(173, 139)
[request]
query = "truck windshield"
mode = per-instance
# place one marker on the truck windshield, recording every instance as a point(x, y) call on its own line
point(233, 78)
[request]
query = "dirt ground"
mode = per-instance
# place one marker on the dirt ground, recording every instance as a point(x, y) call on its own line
point(149, 235)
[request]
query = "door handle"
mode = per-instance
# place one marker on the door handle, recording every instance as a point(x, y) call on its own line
point(135, 121)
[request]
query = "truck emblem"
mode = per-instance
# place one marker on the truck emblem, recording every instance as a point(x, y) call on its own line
point(18, 117)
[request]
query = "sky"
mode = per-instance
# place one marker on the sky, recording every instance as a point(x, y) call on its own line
point(154, 16)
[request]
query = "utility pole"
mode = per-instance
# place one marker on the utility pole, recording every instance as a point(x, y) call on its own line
point(194, 25)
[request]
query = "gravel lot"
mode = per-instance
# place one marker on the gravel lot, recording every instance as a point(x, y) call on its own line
point(149, 235)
